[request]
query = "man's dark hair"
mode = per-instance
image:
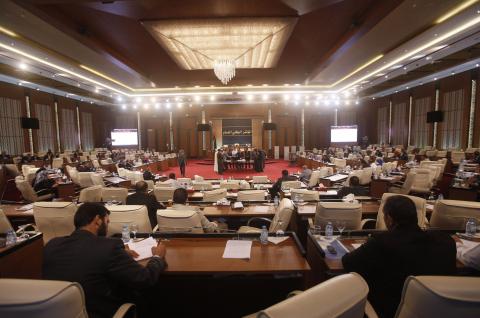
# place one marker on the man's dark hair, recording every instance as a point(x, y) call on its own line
point(401, 209)
point(141, 186)
point(284, 173)
point(354, 181)
point(180, 196)
point(171, 176)
point(87, 212)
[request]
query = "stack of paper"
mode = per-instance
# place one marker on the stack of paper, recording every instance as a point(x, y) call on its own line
point(238, 205)
point(143, 248)
point(237, 249)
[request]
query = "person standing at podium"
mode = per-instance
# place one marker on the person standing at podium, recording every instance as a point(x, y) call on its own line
point(182, 161)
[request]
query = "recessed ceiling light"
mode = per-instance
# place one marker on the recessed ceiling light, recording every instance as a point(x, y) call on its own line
point(168, 105)
point(249, 97)
point(124, 106)
point(416, 57)
point(265, 97)
point(197, 98)
point(286, 97)
point(146, 106)
point(23, 66)
point(212, 97)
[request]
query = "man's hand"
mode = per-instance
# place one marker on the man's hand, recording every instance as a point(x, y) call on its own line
point(130, 252)
point(159, 250)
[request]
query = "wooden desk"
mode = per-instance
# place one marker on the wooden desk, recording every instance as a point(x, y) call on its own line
point(380, 186)
point(66, 190)
point(205, 257)
point(331, 180)
point(119, 182)
point(22, 260)
point(465, 194)
point(15, 217)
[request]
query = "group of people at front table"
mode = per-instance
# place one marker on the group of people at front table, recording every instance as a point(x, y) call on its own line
point(230, 158)
point(110, 276)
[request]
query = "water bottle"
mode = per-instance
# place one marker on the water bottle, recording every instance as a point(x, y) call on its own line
point(125, 233)
point(440, 197)
point(329, 231)
point(11, 238)
point(471, 227)
point(275, 202)
point(264, 235)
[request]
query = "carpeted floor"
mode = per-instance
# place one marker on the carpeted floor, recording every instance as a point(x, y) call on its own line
point(198, 167)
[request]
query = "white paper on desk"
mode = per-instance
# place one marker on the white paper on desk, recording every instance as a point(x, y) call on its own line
point(237, 249)
point(277, 240)
point(356, 245)
point(238, 205)
point(261, 208)
point(143, 248)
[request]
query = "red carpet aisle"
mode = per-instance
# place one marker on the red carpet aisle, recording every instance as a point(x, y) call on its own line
point(197, 167)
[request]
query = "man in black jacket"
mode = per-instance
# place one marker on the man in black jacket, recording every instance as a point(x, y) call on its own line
point(277, 186)
point(354, 187)
point(388, 258)
point(142, 197)
point(105, 269)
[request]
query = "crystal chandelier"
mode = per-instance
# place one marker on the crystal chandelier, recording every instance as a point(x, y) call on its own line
point(224, 69)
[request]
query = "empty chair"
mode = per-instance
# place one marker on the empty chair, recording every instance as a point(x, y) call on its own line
point(306, 195)
point(26, 168)
point(230, 185)
point(343, 296)
point(97, 179)
point(85, 179)
point(280, 221)
point(214, 195)
point(260, 179)
point(351, 213)
point(431, 153)
point(366, 176)
point(91, 194)
point(166, 184)
point(453, 214)
point(186, 181)
point(457, 157)
point(5, 225)
point(440, 296)
point(420, 205)
point(202, 186)
point(54, 219)
point(325, 171)
point(170, 220)
point(163, 193)
point(406, 186)
point(115, 194)
point(251, 195)
point(291, 185)
point(57, 163)
point(198, 178)
point(128, 214)
point(339, 163)
point(150, 184)
point(122, 172)
point(45, 298)
point(314, 178)
point(441, 154)
point(422, 182)
point(28, 194)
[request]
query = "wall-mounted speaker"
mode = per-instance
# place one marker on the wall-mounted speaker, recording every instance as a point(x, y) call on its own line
point(269, 126)
point(203, 127)
point(434, 117)
point(30, 123)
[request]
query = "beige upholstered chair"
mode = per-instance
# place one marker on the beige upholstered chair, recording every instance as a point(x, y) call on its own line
point(188, 181)
point(356, 173)
point(452, 214)
point(164, 184)
point(291, 185)
point(441, 154)
point(214, 195)
point(128, 214)
point(251, 195)
point(170, 220)
point(406, 186)
point(150, 184)
point(457, 157)
point(340, 163)
point(366, 176)
point(313, 181)
point(5, 225)
point(28, 194)
point(420, 204)
point(12, 169)
point(230, 185)
point(96, 164)
point(202, 185)
point(351, 213)
point(260, 179)
point(45, 298)
point(97, 179)
point(91, 194)
point(343, 296)
point(280, 221)
point(306, 195)
point(54, 219)
point(198, 178)
point(431, 153)
point(122, 172)
point(422, 182)
point(440, 296)
point(26, 169)
point(114, 194)
point(163, 193)
point(85, 179)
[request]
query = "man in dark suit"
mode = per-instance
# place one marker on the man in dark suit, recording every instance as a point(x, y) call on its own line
point(277, 186)
point(354, 187)
point(388, 258)
point(103, 266)
point(142, 197)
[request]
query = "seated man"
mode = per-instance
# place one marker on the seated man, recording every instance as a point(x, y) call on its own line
point(305, 175)
point(42, 184)
point(104, 268)
point(277, 186)
point(354, 187)
point(142, 197)
point(147, 175)
point(180, 197)
point(172, 179)
point(388, 258)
